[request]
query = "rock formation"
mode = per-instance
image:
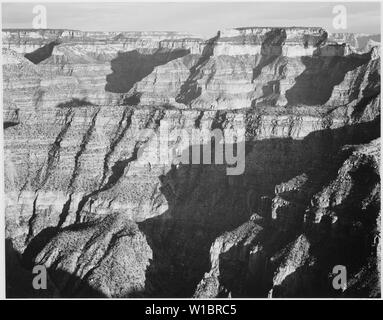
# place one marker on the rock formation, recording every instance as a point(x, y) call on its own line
point(85, 198)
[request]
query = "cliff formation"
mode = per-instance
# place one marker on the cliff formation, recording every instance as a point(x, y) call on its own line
point(85, 198)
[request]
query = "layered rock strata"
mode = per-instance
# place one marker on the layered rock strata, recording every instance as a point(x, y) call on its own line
point(86, 197)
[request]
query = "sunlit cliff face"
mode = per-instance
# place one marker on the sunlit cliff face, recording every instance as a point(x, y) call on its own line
point(87, 197)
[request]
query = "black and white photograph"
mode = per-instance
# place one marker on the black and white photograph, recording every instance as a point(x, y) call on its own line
point(196, 150)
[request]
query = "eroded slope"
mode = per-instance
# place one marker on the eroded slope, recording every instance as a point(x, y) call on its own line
point(75, 179)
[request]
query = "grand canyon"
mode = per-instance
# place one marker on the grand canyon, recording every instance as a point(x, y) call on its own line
point(108, 221)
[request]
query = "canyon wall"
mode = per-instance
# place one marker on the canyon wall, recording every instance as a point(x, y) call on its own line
point(85, 196)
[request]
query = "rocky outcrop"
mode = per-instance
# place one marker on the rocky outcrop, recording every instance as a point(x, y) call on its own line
point(86, 197)
point(102, 258)
point(245, 67)
point(293, 254)
point(358, 41)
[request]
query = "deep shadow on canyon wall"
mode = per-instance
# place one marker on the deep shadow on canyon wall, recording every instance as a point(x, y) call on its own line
point(271, 49)
point(203, 203)
point(315, 84)
point(19, 278)
point(350, 242)
point(132, 66)
point(42, 53)
point(190, 89)
point(211, 203)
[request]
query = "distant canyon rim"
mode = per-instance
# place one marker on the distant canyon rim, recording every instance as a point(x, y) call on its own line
point(85, 197)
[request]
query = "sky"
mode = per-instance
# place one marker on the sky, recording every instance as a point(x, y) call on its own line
point(203, 19)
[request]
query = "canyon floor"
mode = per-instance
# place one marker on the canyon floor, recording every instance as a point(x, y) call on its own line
point(86, 198)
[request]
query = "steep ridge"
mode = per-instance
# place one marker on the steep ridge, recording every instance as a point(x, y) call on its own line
point(289, 247)
point(79, 167)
